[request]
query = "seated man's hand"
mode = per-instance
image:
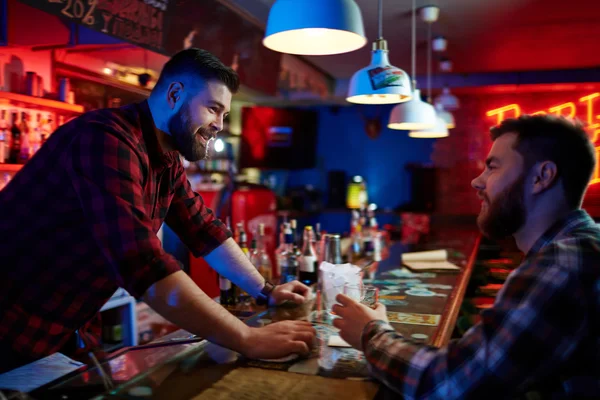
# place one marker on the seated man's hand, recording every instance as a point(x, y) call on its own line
point(280, 339)
point(293, 291)
point(354, 317)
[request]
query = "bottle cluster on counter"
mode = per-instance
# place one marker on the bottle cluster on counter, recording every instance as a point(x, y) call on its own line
point(298, 256)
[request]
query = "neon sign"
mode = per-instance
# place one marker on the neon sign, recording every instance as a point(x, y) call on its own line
point(571, 109)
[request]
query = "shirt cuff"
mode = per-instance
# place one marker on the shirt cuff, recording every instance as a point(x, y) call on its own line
point(372, 329)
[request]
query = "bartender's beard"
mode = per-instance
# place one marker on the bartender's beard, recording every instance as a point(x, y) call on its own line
point(506, 214)
point(187, 140)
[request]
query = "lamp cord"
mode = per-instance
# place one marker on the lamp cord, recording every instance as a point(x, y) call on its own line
point(380, 11)
point(414, 45)
point(429, 63)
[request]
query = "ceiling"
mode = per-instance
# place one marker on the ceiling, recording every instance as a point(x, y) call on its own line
point(483, 35)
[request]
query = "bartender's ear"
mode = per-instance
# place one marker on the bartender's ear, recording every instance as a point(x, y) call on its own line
point(545, 174)
point(174, 94)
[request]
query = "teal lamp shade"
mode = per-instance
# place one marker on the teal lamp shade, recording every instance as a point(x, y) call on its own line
point(309, 27)
point(413, 115)
point(438, 131)
point(380, 82)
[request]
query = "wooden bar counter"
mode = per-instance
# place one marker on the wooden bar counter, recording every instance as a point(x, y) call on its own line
point(181, 366)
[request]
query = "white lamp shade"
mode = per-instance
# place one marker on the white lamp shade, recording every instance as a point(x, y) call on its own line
point(438, 131)
point(309, 27)
point(379, 83)
point(449, 101)
point(414, 114)
point(445, 115)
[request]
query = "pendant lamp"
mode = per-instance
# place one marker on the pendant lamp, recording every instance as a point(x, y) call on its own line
point(448, 100)
point(440, 129)
point(309, 27)
point(414, 114)
point(380, 82)
point(446, 116)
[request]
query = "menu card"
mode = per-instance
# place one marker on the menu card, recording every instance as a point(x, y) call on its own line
point(433, 260)
point(38, 373)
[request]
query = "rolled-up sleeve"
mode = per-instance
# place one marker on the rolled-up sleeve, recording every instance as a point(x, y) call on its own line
point(107, 173)
point(195, 223)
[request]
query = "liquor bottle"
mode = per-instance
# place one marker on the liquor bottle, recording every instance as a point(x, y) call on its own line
point(15, 146)
point(377, 238)
point(25, 152)
point(307, 263)
point(4, 138)
point(227, 290)
point(47, 127)
point(289, 260)
point(278, 251)
point(356, 247)
point(36, 134)
point(226, 287)
point(258, 255)
point(317, 239)
point(368, 246)
point(294, 227)
point(243, 240)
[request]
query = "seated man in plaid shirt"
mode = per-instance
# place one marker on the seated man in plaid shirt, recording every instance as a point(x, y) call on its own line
point(80, 220)
point(541, 339)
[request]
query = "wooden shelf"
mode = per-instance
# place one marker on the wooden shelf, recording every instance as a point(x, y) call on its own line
point(23, 100)
point(10, 167)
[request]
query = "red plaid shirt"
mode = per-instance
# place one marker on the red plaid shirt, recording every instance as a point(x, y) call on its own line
point(80, 220)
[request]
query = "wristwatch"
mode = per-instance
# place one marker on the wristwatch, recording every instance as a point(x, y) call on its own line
point(265, 294)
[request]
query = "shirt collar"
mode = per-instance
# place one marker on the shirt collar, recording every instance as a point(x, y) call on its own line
point(159, 158)
point(574, 219)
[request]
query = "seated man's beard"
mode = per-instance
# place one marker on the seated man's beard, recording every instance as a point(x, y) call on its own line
point(506, 214)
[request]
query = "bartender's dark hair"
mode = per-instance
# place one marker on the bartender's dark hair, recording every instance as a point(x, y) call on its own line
point(200, 63)
point(556, 139)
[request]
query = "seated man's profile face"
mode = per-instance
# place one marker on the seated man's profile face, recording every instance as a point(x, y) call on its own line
point(501, 188)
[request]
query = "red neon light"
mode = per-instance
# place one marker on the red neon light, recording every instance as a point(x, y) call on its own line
point(583, 107)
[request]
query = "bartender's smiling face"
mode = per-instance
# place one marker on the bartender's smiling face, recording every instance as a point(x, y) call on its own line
point(501, 188)
point(199, 117)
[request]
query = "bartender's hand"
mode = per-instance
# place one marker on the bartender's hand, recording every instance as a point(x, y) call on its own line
point(280, 339)
point(294, 291)
point(354, 317)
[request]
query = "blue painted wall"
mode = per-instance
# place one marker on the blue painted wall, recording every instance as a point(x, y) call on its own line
point(343, 144)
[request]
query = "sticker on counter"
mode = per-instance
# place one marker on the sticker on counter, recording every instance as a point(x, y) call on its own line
point(386, 282)
point(382, 77)
point(402, 286)
point(393, 302)
point(423, 292)
point(405, 273)
point(413, 318)
point(388, 297)
point(434, 286)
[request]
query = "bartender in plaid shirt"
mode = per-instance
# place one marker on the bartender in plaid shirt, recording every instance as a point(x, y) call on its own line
point(80, 220)
point(541, 339)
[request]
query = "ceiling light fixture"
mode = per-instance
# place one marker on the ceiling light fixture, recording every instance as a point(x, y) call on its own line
point(415, 114)
point(380, 82)
point(448, 100)
point(439, 44)
point(445, 115)
point(445, 65)
point(430, 14)
point(307, 27)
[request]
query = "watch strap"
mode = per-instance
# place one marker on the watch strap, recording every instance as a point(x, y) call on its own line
point(265, 294)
